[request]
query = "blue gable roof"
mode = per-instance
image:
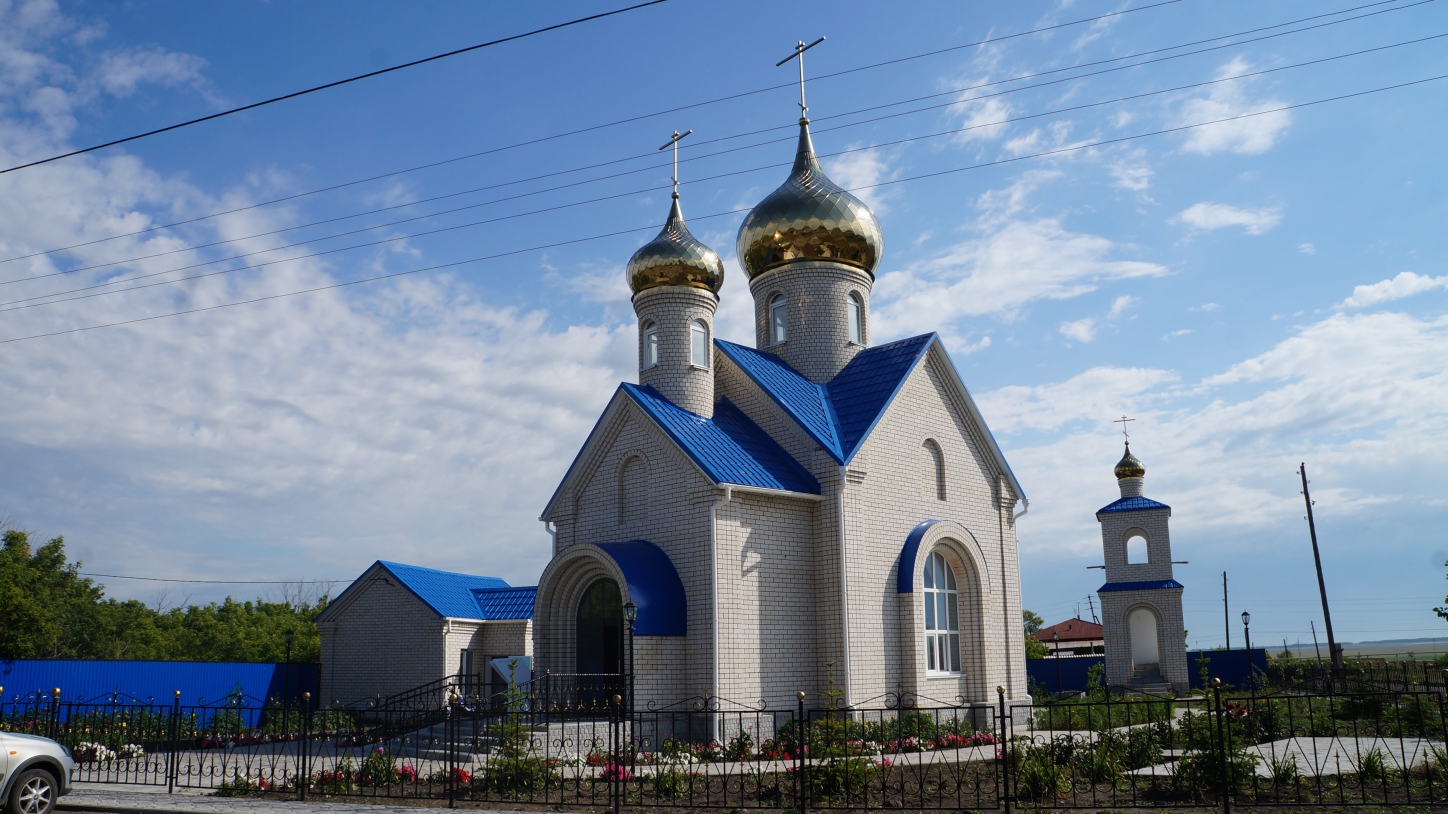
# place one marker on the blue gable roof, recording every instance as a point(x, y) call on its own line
point(1131, 504)
point(1146, 585)
point(729, 448)
point(839, 415)
point(446, 593)
point(505, 603)
point(653, 586)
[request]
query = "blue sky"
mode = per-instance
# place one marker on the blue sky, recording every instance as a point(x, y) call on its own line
point(1256, 293)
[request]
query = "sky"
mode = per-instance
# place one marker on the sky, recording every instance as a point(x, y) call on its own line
point(1258, 293)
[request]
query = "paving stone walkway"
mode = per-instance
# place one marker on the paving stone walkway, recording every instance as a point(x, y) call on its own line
point(120, 799)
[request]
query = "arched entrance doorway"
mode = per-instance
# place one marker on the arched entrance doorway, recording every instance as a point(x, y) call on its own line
point(600, 629)
point(1142, 623)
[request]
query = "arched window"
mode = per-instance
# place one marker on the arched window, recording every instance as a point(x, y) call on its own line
point(935, 474)
point(1136, 551)
point(942, 617)
point(778, 316)
point(651, 345)
point(633, 491)
point(600, 629)
point(856, 315)
point(699, 344)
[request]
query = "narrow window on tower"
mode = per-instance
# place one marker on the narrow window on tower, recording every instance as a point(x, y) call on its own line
point(699, 344)
point(857, 319)
point(778, 315)
point(651, 345)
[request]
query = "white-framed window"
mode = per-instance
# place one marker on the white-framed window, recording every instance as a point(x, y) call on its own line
point(942, 617)
point(856, 314)
point(651, 344)
point(699, 344)
point(778, 317)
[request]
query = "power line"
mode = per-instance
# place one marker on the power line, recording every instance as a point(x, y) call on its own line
point(357, 78)
point(641, 118)
point(49, 296)
point(941, 173)
point(221, 581)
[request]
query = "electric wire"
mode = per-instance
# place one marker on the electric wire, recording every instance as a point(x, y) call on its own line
point(359, 77)
point(30, 302)
point(221, 581)
point(923, 176)
point(430, 165)
point(646, 169)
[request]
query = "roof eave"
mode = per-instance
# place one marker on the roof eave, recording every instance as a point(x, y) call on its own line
point(993, 447)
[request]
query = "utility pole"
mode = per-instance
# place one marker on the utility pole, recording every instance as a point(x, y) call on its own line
point(1091, 603)
point(1333, 650)
point(1313, 626)
point(1226, 615)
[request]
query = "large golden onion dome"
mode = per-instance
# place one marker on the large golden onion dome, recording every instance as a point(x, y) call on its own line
point(1129, 466)
point(675, 257)
point(809, 218)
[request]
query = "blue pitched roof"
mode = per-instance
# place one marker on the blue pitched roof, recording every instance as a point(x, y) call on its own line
point(505, 603)
point(729, 448)
point(446, 593)
point(1131, 504)
point(838, 415)
point(1146, 585)
point(653, 586)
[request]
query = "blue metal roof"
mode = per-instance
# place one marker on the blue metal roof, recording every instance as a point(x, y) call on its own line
point(446, 593)
point(1146, 585)
point(505, 603)
point(653, 586)
point(905, 571)
point(1131, 504)
point(729, 448)
point(840, 415)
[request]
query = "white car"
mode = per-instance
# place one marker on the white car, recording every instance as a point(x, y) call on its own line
point(34, 773)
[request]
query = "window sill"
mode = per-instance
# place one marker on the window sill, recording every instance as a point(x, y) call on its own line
point(699, 367)
point(930, 674)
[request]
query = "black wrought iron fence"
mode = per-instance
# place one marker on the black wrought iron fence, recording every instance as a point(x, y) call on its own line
point(589, 749)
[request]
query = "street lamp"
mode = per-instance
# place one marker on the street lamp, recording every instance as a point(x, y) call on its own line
point(287, 681)
point(630, 615)
point(1056, 645)
point(1247, 635)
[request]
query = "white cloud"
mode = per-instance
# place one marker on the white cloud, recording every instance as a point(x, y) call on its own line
point(1307, 249)
point(1206, 308)
point(1120, 304)
point(864, 169)
point(1094, 395)
point(1082, 330)
point(1226, 100)
point(1206, 216)
point(119, 73)
point(1406, 284)
point(1132, 177)
point(1013, 261)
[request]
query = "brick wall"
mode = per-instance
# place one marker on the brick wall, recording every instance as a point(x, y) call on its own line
point(384, 640)
point(817, 329)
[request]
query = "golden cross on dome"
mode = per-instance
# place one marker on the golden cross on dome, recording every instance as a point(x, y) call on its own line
point(799, 50)
point(674, 142)
point(1122, 421)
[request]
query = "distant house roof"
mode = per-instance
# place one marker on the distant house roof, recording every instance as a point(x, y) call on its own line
point(449, 594)
point(840, 415)
point(1132, 504)
point(1144, 585)
point(729, 448)
point(1072, 630)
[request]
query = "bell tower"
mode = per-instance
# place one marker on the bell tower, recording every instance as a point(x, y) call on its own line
point(1141, 602)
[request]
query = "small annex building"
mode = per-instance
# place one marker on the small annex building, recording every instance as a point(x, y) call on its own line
point(401, 626)
point(1073, 637)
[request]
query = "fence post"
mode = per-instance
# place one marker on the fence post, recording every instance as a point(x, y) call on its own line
point(1222, 742)
point(800, 764)
point(304, 748)
point(173, 749)
point(614, 770)
point(54, 725)
point(1005, 746)
point(450, 733)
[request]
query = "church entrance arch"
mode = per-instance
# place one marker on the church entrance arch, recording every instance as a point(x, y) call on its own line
point(1142, 623)
point(600, 629)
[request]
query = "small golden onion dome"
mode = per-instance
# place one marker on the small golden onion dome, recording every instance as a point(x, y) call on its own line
point(675, 257)
point(809, 218)
point(1129, 466)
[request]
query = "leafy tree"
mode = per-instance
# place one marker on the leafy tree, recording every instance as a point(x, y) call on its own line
point(49, 611)
point(1033, 621)
point(1036, 649)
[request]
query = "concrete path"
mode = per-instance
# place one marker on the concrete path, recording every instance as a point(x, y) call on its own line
point(95, 797)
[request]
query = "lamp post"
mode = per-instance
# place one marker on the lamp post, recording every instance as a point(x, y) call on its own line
point(1247, 635)
point(630, 615)
point(287, 681)
point(1056, 645)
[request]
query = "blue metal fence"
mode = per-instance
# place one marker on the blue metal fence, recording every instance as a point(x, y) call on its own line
point(1228, 665)
point(158, 681)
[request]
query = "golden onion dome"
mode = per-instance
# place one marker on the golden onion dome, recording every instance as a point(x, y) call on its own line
point(1129, 466)
point(809, 218)
point(675, 257)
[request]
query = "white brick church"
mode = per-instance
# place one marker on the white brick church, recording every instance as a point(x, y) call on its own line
point(812, 508)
